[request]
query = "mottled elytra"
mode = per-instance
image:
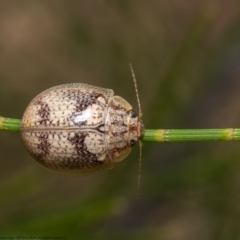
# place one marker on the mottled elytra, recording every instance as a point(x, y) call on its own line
point(78, 128)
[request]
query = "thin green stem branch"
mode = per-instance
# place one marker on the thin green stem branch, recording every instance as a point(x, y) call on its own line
point(188, 135)
point(10, 124)
point(159, 135)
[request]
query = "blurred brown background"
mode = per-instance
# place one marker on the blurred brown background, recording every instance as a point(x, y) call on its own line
point(186, 56)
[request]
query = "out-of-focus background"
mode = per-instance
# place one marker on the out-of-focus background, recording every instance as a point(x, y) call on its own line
point(186, 56)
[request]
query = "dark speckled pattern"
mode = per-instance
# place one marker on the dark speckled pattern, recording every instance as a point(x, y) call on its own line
point(78, 128)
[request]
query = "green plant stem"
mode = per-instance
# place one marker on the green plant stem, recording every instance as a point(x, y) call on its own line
point(188, 135)
point(159, 135)
point(10, 124)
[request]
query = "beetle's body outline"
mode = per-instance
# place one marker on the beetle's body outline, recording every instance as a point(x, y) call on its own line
point(79, 128)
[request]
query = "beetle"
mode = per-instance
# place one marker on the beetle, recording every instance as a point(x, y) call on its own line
point(80, 128)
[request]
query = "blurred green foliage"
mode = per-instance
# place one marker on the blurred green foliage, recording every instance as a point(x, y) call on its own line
point(186, 56)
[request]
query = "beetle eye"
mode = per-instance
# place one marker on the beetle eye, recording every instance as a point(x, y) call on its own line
point(133, 114)
point(133, 142)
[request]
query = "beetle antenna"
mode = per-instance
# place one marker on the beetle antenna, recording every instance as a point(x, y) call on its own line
point(139, 167)
point(140, 142)
point(136, 90)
